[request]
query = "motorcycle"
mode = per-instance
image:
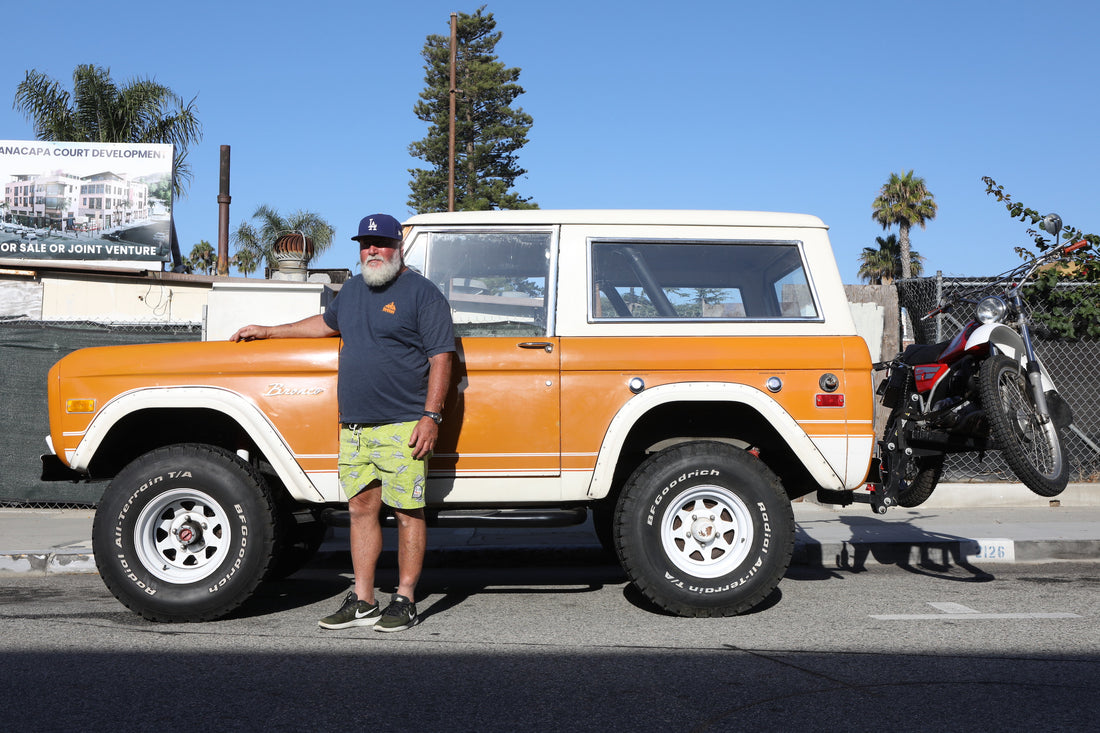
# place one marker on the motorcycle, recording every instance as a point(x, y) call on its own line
point(983, 390)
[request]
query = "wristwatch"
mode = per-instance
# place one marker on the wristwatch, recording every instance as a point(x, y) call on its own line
point(435, 416)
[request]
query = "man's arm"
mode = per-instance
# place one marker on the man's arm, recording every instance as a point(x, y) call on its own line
point(426, 431)
point(311, 327)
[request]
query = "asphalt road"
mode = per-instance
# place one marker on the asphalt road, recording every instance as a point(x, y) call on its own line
point(571, 648)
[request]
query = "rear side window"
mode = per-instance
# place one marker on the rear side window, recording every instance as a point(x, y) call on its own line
point(755, 281)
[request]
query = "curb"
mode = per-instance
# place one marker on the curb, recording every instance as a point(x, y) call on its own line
point(961, 553)
point(807, 553)
point(47, 563)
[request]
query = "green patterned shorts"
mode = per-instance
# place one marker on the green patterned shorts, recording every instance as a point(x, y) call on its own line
point(381, 453)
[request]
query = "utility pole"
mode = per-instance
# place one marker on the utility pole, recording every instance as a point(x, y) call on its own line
point(451, 119)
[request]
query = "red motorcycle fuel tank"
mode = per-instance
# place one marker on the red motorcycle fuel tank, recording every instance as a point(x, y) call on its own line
point(926, 375)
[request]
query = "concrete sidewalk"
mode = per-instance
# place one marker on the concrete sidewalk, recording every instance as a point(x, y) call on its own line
point(46, 541)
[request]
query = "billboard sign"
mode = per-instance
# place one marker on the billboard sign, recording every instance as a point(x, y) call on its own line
point(85, 201)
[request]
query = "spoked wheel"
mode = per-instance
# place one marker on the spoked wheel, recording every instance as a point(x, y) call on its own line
point(1031, 447)
point(922, 473)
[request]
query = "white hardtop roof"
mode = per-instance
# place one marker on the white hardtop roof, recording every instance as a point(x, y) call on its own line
point(654, 217)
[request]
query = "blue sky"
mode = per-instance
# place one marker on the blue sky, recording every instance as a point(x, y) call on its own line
point(781, 106)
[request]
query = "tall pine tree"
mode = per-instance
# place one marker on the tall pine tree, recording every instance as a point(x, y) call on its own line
point(488, 131)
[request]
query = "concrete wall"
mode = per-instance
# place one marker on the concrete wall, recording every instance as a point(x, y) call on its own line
point(224, 304)
point(110, 299)
point(267, 302)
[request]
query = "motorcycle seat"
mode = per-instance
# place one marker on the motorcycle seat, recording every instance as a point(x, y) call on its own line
point(915, 354)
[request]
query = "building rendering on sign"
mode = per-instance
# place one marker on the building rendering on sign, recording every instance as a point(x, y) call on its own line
point(85, 202)
point(62, 201)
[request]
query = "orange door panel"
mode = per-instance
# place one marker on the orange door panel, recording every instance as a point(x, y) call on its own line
point(503, 418)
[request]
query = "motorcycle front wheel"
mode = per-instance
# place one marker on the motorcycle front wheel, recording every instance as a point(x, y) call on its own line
point(1031, 448)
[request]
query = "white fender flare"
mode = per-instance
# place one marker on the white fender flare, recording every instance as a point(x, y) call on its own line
point(229, 403)
point(789, 429)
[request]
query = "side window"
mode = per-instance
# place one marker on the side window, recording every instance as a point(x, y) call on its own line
point(496, 282)
point(699, 281)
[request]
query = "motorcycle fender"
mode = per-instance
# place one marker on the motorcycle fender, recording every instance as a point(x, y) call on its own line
point(1007, 341)
point(1000, 336)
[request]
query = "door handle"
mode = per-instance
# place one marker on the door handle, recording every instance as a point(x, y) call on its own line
point(545, 345)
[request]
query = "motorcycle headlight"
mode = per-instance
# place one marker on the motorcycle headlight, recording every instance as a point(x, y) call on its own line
point(991, 309)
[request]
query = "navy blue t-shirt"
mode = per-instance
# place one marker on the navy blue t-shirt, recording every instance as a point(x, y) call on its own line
point(389, 333)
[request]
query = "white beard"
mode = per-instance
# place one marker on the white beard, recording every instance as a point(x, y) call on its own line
point(382, 274)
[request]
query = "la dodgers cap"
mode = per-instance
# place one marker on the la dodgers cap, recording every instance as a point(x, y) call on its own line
point(379, 225)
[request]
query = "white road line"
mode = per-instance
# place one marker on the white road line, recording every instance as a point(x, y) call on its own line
point(959, 612)
point(952, 608)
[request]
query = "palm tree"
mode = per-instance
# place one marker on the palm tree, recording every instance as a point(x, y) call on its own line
point(202, 257)
point(904, 200)
point(259, 241)
point(883, 265)
point(245, 261)
point(101, 111)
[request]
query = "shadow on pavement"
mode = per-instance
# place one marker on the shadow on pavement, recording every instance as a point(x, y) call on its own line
point(899, 543)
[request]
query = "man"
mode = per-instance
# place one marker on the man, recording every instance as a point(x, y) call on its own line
point(394, 373)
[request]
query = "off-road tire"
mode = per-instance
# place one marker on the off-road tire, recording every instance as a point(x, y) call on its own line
point(184, 533)
point(704, 529)
point(603, 522)
point(301, 535)
point(921, 476)
point(1033, 450)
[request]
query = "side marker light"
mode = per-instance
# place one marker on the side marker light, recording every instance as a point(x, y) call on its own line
point(829, 400)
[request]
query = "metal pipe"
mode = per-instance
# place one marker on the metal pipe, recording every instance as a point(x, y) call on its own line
point(223, 213)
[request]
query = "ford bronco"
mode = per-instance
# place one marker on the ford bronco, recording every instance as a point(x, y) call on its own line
point(680, 376)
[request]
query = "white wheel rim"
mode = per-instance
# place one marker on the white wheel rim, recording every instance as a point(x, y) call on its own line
point(182, 536)
point(1038, 441)
point(708, 532)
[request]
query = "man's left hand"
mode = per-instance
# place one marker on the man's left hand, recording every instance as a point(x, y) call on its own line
point(423, 438)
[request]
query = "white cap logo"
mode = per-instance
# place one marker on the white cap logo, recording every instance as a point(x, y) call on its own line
point(373, 227)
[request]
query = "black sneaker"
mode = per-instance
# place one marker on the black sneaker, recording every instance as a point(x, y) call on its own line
point(353, 612)
point(398, 616)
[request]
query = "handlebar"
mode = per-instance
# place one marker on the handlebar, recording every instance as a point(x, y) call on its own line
point(1023, 271)
point(946, 307)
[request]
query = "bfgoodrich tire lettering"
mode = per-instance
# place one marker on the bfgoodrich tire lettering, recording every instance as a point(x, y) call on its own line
point(704, 529)
point(184, 533)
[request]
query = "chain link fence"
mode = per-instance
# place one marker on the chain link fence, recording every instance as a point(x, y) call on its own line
point(1073, 365)
point(28, 348)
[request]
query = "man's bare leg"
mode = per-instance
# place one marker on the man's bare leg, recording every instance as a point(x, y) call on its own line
point(412, 540)
point(366, 538)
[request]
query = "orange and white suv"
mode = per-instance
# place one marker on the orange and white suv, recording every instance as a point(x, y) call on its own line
point(680, 375)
